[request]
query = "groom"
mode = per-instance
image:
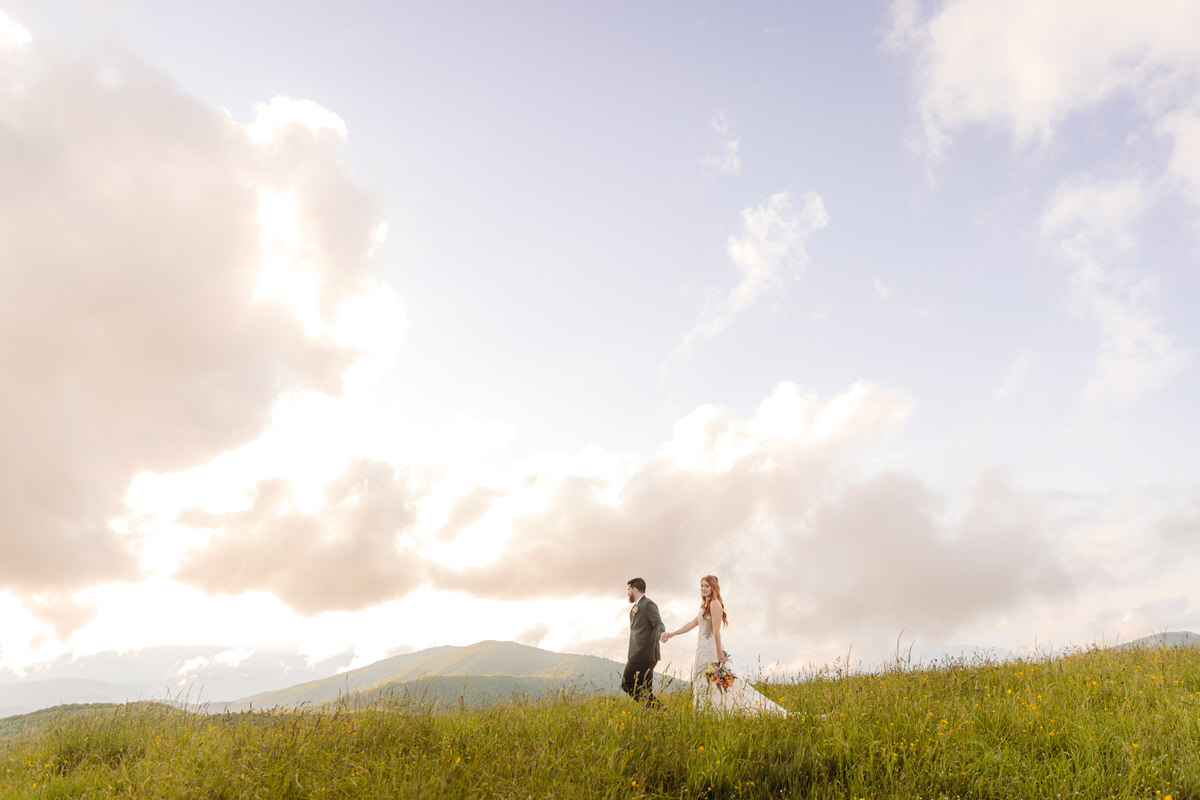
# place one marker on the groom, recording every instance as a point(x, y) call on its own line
point(645, 626)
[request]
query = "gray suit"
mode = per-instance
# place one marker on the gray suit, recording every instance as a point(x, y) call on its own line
point(645, 626)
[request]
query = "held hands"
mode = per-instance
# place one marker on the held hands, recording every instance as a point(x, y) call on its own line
point(663, 638)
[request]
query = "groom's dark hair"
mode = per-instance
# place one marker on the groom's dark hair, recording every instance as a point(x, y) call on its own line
point(637, 583)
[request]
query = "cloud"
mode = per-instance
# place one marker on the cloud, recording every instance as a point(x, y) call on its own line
point(1177, 534)
point(1017, 376)
point(64, 614)
point(886, 555)
point(729, 162)
point(131, 338)
point(1091, 222)
point(535, 635)
point(349, 554)
point(1090, 214)
point(468, 510)
point(1028, 65)
point(772, 239)
point(720, 480)
point(1184, 167)
point(12, 34)
point(905, 31)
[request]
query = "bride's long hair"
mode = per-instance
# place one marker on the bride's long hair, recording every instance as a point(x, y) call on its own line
point(715, 594)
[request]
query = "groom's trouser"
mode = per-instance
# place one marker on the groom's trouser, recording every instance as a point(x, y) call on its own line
point(638, 680)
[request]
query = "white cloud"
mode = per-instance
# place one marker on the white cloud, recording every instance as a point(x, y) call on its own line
point(729, 162)
point(354, 551)
point(12, 34)
point(882, 290)
point(273, 119)
point(1088, 215)
point(772, 240)
point(192, 665)
point(905, 29)
point(720, 123)
point(234, 657)
point(1029, 64)
point(1092, 222)
point(1017, 376)
point(131, 339)
point(711, 439)
point(1184, 128)
point(773, 237)
point(64, 613)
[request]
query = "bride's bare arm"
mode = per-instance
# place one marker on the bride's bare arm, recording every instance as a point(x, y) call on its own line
point(684, 629)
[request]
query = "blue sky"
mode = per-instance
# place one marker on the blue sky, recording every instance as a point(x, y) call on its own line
point(882, 312)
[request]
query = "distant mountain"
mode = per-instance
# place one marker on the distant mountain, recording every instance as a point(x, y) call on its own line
point(932, 654)
point(1166, 639)
point(27, 696)
point(178, 674)
point(482, 671)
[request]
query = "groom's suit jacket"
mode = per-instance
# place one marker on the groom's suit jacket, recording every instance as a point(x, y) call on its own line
point(645, 626)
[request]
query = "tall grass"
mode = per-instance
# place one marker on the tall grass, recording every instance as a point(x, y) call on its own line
point(1103, 723)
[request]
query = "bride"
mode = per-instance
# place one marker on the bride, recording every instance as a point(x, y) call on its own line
point(740, 696)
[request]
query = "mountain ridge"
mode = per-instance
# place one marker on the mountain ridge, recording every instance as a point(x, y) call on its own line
point(486, 659)
point(1166, 639)
point(23, 698)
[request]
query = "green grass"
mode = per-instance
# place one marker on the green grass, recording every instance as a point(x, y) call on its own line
point(1103, 723)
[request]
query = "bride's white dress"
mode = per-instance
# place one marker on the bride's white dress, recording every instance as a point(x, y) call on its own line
point(740, 697)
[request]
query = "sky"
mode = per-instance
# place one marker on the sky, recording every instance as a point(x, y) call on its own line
point(353, 329)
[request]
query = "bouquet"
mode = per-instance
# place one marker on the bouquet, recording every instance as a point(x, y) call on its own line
point(720, 675)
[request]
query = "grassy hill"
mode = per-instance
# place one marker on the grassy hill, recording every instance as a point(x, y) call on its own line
point(40, 723)
point(455, 692)
point(532, 672)
point(1111, 723)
